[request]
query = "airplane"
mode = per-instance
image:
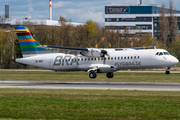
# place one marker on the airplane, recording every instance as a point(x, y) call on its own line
point(92, 60)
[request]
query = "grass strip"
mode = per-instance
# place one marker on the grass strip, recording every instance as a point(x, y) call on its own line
point(88, 104)
point(83, 76)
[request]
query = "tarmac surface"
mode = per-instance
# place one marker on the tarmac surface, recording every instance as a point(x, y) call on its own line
point(144, 86)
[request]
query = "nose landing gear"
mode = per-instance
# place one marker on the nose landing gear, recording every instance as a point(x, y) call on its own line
point(167, 70)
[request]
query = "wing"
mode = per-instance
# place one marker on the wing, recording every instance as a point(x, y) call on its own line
point(66, 50)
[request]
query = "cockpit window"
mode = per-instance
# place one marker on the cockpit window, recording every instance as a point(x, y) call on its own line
point(166, 53)
point(160, 53)
point(157, 53)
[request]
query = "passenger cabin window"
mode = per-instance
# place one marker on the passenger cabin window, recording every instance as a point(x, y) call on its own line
point(118, 58)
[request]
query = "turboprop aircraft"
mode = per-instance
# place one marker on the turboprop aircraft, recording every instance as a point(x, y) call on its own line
point(92, 60)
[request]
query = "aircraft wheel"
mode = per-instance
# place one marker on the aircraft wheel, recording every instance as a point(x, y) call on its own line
point(92, 75)
point(167, 72)
point(110, 75)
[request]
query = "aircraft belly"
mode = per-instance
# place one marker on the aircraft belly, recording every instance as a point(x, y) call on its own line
point(65, 68)
point(100, 68)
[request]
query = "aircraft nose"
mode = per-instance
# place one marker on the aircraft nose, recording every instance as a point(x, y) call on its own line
point(174, 60)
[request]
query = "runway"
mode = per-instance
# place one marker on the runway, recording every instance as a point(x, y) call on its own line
point(91, 85)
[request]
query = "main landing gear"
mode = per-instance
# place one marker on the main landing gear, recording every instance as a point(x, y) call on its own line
point(109, 75)
point(93, 75)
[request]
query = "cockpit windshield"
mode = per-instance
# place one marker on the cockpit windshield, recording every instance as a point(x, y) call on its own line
point(162, 53)
point(165, 53)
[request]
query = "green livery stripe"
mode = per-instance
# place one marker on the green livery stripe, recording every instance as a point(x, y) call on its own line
point(28, 46)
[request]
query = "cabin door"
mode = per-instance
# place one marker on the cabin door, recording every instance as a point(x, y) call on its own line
point(51, 63)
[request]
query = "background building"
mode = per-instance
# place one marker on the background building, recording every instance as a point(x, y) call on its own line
point(137, 19)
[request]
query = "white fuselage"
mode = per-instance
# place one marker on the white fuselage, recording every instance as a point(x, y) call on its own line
point(118, 60)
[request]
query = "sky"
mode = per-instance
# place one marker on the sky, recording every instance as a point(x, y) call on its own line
point(75, 10)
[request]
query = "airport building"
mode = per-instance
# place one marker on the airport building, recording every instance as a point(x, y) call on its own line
point(137, 19)
point(10, 22)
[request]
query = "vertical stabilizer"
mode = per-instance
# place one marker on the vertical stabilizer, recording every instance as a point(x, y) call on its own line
point(28, 45)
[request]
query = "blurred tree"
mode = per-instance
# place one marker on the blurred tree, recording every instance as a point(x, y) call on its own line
point(173, 26)
point(91, 27)
point(163, 26)
point(147, 40)
point(174, 49)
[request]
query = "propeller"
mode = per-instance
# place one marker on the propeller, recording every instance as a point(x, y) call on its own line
point(103, 52)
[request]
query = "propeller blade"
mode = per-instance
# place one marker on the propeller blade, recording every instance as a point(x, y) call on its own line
point(97, 59)
point(96, 45)
point(109, 44)
point(102, 38)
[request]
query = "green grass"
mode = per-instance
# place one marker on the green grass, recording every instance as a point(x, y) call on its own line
point(83, 76)
point(88, 104)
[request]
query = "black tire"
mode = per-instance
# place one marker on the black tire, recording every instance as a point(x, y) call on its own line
point(109, 75)
point(92, 75)
point(167, 72)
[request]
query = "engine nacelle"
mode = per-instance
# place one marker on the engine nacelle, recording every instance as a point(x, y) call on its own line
point(92, 52)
